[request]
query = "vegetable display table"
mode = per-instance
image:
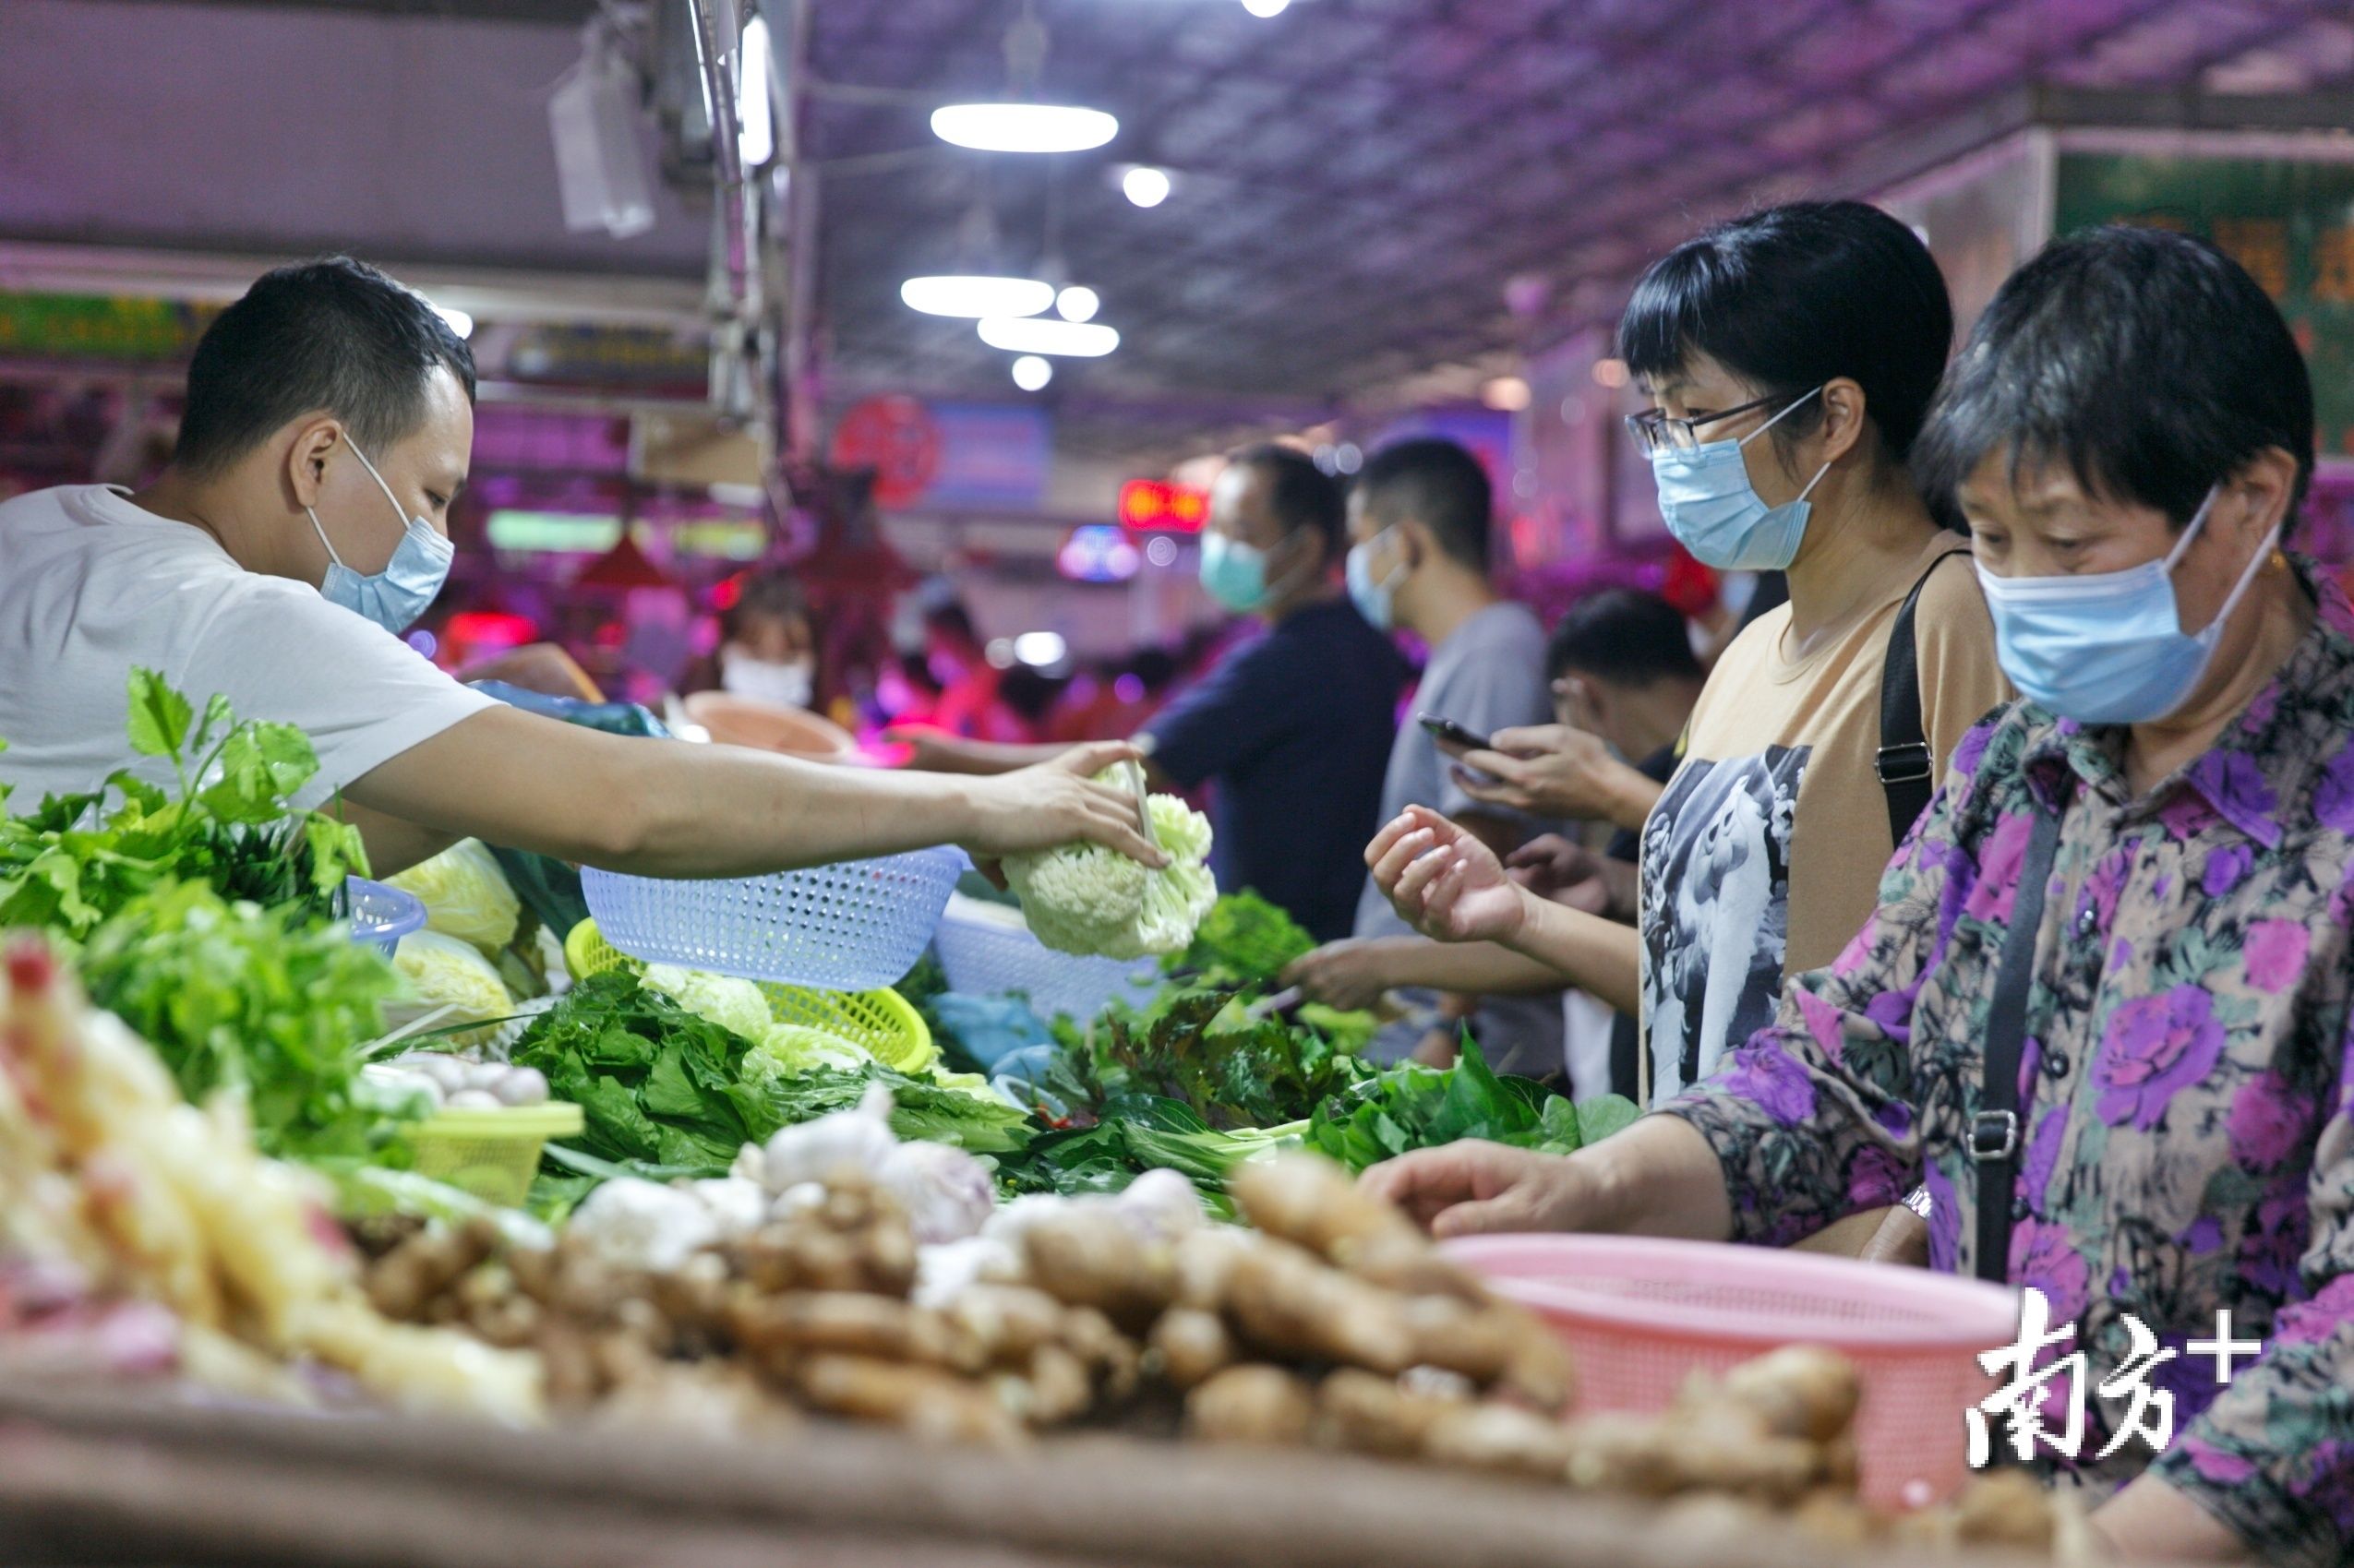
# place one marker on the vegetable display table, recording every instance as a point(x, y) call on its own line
point(105, 1475)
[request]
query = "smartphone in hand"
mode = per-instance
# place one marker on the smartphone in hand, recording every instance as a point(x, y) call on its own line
point(1451, 733)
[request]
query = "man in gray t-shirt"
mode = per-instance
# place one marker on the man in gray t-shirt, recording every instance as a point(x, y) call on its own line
point(1419, 520)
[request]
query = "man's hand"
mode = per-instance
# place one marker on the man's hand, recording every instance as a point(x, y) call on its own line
point(1349, 974)
point(1058, 803)
point(1444, 882)
point(1554, 770)
point(1472, 1187)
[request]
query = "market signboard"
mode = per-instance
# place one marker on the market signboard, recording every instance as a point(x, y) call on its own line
point(109, 327)
point(2289, 221)
point(946, 456)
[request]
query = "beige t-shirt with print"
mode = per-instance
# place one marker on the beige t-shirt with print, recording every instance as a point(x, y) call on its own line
point(1764, 855)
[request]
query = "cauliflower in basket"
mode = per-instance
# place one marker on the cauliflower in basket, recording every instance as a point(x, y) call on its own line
point(1086, 899)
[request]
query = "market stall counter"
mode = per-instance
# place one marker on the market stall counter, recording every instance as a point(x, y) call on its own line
point(90, 1475)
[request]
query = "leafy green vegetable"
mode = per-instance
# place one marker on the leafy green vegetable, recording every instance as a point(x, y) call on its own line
point(662, 1086)
point(1411, 1106)
point(231, 823)
point(1244, 940)
point(258, 1001)
point(1139, 1132)
point(1196, 1051)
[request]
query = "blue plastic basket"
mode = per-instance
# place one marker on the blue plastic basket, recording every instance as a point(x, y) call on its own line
point(856, 926)
point(380, 915)
point(986, 949)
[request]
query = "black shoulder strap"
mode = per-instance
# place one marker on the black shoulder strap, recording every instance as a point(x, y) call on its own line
point(1907, 767)
point(1994, 1131)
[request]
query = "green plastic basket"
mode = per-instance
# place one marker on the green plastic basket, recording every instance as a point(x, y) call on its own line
point(883, 1022)
point(492, 1153)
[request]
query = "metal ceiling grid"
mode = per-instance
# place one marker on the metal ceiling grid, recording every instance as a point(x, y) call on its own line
point(1358, 178)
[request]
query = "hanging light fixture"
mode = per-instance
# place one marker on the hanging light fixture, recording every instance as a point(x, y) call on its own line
point(976, 287)
point(1031, 373)
point(1019, 123)
point(1023, 127)
point(976, 294)
point(1078, 303)
point(1082, 340)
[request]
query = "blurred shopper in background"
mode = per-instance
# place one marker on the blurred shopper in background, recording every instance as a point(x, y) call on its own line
point(970, 702)
point(1791, 355)
point(1623, 671)
point(767, 644)
point(1420, 519)
point(1293, 728)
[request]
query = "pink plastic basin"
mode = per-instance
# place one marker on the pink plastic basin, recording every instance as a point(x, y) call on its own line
point(1641, 1315)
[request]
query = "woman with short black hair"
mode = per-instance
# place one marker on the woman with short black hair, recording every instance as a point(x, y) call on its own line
point(2105, 1007)
point(1791, 355)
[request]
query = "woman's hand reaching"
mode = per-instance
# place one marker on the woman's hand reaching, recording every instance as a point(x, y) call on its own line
point(1445, 882)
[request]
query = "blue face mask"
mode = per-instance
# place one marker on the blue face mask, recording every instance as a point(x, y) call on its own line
point(396, 596)
point(1708, 503)
point(1374, 601)
point(1234, 573)
point(2108, 648)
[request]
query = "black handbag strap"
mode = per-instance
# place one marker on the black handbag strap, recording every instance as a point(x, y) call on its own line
point(1906, 766)
point(1994, 1131)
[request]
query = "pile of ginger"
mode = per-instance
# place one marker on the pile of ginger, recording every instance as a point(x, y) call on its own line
point(1328, 1321)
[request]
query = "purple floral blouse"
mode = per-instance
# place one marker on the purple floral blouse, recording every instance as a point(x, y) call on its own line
point(2189, 1140)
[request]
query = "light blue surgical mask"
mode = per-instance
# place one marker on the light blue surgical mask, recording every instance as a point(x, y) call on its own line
point(1374, 601)
point(1708, 503)
point(2108, 648)
point(396, 596)
point(1234, 573)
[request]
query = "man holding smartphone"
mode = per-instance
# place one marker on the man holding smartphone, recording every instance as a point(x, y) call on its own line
point(1419, 523)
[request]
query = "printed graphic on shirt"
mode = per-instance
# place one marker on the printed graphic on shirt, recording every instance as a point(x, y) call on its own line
point(1716, 908)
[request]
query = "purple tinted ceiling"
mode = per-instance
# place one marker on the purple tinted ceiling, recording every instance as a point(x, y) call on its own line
point(1358, 178)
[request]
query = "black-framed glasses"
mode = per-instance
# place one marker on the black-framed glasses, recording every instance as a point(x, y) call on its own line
point(1654, 430)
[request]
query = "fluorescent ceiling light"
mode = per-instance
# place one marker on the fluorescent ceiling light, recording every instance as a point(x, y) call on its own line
point(1078, 303)
point(1039, 649)
point(1023, 127)
point(460, 322)
point(1083, 339)
point(756, 135)
point(1031, 373)
point(1267, 7)
point(1146, 187)
point(967, 294)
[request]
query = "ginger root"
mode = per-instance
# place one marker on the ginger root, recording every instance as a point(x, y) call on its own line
point(1254, 1404)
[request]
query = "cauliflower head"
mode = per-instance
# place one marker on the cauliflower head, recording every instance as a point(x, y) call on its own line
point(1089, 900)
point(735, 1005)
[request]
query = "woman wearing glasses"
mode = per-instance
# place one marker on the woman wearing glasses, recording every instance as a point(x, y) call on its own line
point(1791, 355)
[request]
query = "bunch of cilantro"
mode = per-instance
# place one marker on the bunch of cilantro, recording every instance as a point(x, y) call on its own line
point(202, 916)
point(229, 823)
